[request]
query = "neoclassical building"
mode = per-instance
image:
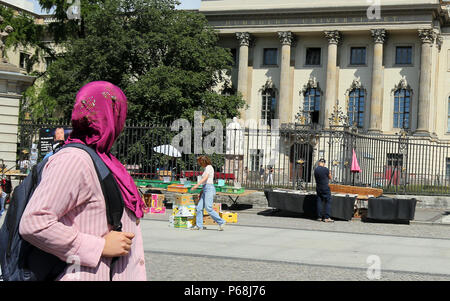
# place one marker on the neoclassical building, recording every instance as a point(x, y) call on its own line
point(387, 67)
point(14, 80)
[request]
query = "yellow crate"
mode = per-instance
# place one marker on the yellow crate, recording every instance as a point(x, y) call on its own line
point(180, 222)
point(229, 217)
point(184, 199)
point(186, 203)
point(216, 207)
point(177, 188)
point(208, 220)
point(191, 222)
point(190, 208)
point(153, 199)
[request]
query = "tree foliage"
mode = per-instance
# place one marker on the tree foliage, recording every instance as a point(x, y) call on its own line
point(167, 61)
point(27, 34)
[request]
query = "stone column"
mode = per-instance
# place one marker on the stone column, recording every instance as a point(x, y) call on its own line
point(428, 37)
point(334, 37)
point(244, 44)
point(12, 85)
point(285, 103)
point(376, 100)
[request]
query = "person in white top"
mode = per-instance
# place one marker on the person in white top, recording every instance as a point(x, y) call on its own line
point(207, 196)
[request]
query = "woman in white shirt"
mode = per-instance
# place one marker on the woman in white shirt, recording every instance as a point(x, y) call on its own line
point(207, 195)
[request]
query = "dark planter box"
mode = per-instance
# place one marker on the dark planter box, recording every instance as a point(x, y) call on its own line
point(391, 209)
point(341, 207)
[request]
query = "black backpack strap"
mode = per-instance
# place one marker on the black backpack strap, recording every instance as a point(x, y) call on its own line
point(110, 189)
point(111, 192)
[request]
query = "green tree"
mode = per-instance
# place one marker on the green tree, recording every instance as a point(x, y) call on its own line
point(167, 61)
point(27, 34)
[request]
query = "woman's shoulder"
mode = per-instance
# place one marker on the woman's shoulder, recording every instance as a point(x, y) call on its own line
point(70, 154)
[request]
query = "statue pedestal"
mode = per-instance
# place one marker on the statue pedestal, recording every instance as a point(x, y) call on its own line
point(12, 85)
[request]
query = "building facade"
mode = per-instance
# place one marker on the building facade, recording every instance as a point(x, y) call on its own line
point(387, 67)
point(384, 67)
point(14, 80)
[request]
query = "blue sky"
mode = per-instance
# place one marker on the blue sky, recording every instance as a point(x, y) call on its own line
point(185, 4)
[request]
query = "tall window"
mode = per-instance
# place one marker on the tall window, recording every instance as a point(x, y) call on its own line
point(356, 102)
point(313, 56)
point(234, 55)
point(24, 57)
point(311, 105)
point(270, 56)
point(269, 104)
point(358, 56)
point(403, 55)
point(448, 115)
point(256, 159)
point(402, 106)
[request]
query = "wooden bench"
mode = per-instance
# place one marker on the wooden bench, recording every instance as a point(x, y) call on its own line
point(360, 191)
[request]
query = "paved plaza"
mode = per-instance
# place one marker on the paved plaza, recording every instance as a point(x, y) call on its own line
point(266, 246)
point(280, 246)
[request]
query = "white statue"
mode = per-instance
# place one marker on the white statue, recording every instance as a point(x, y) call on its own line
point(3, 35)
point(235, 138)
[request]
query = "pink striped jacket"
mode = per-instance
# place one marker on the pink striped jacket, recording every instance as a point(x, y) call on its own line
point(66, 217)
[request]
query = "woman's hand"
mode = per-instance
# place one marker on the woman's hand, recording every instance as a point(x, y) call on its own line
point(117, 244)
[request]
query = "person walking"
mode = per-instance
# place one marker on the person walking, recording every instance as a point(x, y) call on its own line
point(7, 186)
point(2, 200)
point(207, 195)
point(24, 164)
point(66, 216)
point(270, 176)
point(322, 176)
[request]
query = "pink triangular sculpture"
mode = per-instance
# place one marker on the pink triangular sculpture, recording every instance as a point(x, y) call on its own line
point(355, 166)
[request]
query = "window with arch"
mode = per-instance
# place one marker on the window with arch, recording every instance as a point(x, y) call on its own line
point(269, 104)
point(402, 108)
point(356, 103)
point(311, 104)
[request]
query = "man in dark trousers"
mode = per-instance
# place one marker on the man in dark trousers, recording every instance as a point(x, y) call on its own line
point(322, 176)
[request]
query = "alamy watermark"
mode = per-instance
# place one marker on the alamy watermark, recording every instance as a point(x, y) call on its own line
point(74, 11)
point(209, 135)
point(374, 270)
point(374, 10)
point(73, 267)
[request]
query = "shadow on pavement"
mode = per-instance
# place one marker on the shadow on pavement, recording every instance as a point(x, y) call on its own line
point(392, 222)
point(237, 207)
point(283, 213)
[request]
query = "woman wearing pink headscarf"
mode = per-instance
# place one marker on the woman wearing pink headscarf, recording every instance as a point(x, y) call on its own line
point(66, 215)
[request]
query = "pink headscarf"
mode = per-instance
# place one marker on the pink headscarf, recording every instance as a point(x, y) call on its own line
point(98, 118)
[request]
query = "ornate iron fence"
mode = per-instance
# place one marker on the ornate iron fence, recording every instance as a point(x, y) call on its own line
point(259, 156)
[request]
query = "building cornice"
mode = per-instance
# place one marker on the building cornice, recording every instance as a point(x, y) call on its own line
point(343, 9)
point(12, 6)
point(417, 19)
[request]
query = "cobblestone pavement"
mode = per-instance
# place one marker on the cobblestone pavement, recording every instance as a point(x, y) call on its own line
point(176, 266)
point(263, 217)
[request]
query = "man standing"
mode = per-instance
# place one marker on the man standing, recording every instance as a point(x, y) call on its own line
point(261, 174)
point(59, 141)
point(322, 176)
